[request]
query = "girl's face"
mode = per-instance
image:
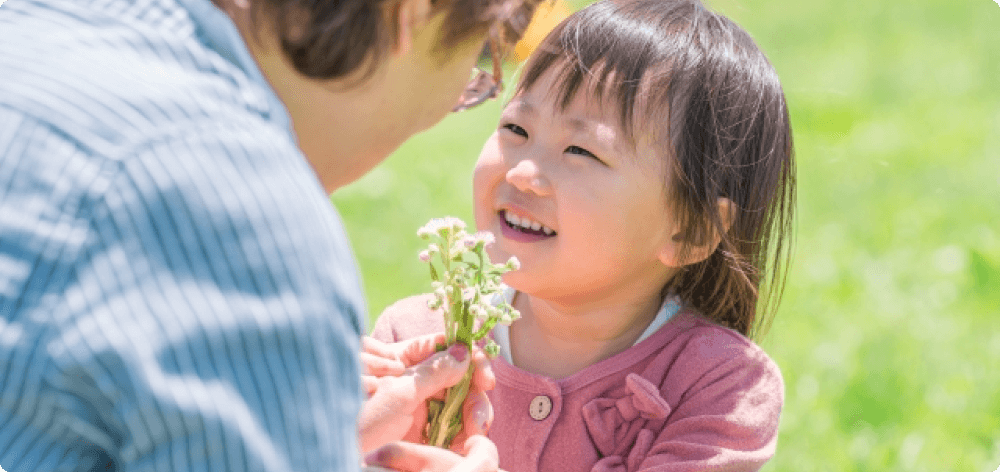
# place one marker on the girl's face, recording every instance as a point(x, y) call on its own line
point(582, 209)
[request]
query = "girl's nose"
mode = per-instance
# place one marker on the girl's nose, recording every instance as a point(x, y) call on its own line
point(526, 175)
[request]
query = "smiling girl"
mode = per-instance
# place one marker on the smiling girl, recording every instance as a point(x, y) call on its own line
point(642, 173)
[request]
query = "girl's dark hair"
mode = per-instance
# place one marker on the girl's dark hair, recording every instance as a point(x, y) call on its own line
point(694, 83)
point(328, 39)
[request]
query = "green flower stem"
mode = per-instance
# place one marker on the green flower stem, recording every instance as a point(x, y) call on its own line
point(448, 422)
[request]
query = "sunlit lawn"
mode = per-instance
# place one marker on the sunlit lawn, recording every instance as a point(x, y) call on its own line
point(888, 335)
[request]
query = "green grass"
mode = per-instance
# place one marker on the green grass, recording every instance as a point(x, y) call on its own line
point(888, 333)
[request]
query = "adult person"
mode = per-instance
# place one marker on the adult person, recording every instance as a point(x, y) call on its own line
point(176, 291)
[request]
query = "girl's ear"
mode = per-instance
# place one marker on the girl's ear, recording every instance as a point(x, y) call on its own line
point(705, 242)
point(410, 16)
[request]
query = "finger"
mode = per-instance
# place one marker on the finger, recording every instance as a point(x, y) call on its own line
point(378, 348)
point(440, 371)
point(381, 366)
point(416, 432)
point(481, 456)
point(410, 457)
point(483, 378)
point(370, 383)
point(477, 417)
point(418, 349)
point(478, 414)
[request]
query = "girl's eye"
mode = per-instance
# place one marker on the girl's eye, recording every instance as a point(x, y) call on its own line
point(515, 129)
point(583, 152)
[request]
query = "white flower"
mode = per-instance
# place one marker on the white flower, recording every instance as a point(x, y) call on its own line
point(455, 223)
point(508, 314)
point(425, 256)
point(425, 232)
point(485, 237)
point(513, 263)
point(441, 226)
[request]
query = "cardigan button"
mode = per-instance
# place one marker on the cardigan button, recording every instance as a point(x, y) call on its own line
point(540, 407)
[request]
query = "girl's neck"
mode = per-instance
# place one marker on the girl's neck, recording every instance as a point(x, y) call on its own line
point(558, 341)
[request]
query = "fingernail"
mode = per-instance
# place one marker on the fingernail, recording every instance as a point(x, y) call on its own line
point(459, 352)
point(378, 456)
point(482, 419)
point(373, 457)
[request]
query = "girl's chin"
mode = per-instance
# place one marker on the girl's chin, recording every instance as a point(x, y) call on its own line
point(519, 281)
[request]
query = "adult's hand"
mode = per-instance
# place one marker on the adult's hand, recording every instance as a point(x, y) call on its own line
point(400, 377)
point(479, 454)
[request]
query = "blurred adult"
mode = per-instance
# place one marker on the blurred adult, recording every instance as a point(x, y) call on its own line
point(176, 290)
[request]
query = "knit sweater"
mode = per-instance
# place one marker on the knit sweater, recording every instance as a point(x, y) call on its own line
point(693, 396)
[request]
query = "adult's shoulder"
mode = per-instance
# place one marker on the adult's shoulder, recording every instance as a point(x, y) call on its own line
point(112, 80)
point(408, 318)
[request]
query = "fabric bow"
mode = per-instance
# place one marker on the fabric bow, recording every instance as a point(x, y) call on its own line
point(610, 420)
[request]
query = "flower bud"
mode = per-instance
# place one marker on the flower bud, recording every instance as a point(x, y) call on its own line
point(492, 349)
point(425, 256)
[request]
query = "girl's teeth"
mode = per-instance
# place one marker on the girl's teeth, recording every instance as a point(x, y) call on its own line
point(525, 223)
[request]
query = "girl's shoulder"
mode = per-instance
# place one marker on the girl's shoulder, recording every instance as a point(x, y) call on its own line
point(408, 318)
point(701, 352)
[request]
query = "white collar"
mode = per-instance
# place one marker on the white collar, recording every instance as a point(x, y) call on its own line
point(501, 333)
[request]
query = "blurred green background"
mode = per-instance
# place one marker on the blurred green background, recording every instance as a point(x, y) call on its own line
point(888, 334)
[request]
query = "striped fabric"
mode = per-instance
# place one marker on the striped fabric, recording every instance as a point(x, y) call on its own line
point(176, 291)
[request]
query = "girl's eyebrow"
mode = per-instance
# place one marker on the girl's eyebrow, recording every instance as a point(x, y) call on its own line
point(527, 108)
point(524, 107)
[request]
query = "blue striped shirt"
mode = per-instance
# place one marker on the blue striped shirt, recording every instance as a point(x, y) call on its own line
point(176, 291)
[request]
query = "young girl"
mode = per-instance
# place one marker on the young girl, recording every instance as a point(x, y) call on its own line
point(643, 176)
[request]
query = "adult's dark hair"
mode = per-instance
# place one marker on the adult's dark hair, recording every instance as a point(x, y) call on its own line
point(696, 85)
point(328, 39)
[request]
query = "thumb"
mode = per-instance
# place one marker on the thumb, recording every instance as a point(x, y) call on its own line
point(440, 371)
point(478, 414)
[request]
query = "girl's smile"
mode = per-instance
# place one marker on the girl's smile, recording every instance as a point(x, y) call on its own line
point(525, 230)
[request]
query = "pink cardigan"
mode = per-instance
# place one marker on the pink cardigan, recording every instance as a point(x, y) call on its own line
point(693, 396)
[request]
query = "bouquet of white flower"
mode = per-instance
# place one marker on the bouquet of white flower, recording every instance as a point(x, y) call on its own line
point(463, 282)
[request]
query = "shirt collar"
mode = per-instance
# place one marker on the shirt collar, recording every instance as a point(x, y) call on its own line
point(218, 32)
